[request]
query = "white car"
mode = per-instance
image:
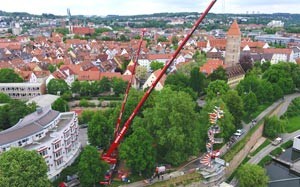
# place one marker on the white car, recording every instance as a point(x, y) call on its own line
point(239, 132)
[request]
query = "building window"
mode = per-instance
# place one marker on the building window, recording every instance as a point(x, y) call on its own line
point(58, 154)
point(59, 161)
point(57, 145)
point(43, 152)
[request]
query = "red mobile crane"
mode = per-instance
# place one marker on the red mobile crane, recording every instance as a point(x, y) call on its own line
point(129, 85)
point(108, 156)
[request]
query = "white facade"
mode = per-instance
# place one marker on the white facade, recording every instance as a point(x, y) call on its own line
point(22, 90)
point(296, 143)
point(149, 82)
point(52, 134)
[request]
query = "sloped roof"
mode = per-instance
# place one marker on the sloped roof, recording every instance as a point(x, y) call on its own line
point(235, 70)
point(234, 29)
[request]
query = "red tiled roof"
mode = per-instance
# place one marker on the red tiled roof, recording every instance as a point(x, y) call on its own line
point(211, 65)
point(83, 30)
point(234, 29)
point(159, 56)
point(278, 51)
point(88, 76)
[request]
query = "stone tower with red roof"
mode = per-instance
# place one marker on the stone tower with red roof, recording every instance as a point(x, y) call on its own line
point(233, 45)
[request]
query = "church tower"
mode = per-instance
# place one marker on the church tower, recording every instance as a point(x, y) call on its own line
point(233, 45)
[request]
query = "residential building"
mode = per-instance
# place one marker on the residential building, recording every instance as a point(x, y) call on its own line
point(23, 90)
point(52, 134)
point(152, 78)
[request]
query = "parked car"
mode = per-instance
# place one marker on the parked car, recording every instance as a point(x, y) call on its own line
point(277, 141)
point(239, 132)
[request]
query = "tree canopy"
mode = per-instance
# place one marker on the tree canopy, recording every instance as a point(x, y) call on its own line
point(9, 76)
point(252, 176)
point(60, 105)
point(100, 132)
point(56, 86)
point(155, 65)
point(174, 126)
point(22, 168)
point(139, 155)
point(91, 168)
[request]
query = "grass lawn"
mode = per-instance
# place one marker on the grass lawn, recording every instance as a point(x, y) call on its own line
point(263, 145)
point(293, 124)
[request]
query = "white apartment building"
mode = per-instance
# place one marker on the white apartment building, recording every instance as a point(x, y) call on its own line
point(23, 90)
point(52, 134)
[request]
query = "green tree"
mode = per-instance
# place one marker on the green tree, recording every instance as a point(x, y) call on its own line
point(141, 72)
point(60, 105)
point(51, 68)
point(250, 175)
point(218, 74)
point(22, 168)
point(273, 127)
point(215, 88)
point(265, 92)
point(9, 76)
point(197, 80)
point(162, 39)
point(91, 169)
point(86, 116)
point(75, 87)
point(139, 155)
point(100, 132)
point(85, 88)
point(250, 102)
point(57, 86)
point(166, 121)
point(119, 86)
point(235, 106)
point(4, 98)
point(155, 65)
point(105, 85)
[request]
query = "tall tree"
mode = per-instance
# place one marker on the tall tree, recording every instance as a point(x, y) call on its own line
point(167, 123)
point(22, 168)
point(155, 65)
point(100, 132)
point(60, 105)
point(197, 80)
point(75, 87)
point(252, 176)
point(91, 169)
point(141, 72)
point(140, 155)
point(85, 88)
point(235, 106)
point(250, 102)
point(273, 127)
point(57, 86)
point(118, 86)
point(215, 88)
point(9, 76)
point(218, 74)
point(105, 85)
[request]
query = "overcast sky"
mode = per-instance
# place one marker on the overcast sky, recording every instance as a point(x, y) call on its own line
point(133, 7)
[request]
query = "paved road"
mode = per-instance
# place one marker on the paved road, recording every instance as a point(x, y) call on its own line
point(286, 137)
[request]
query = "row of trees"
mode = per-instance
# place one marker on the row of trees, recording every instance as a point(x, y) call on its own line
point(85, 88)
